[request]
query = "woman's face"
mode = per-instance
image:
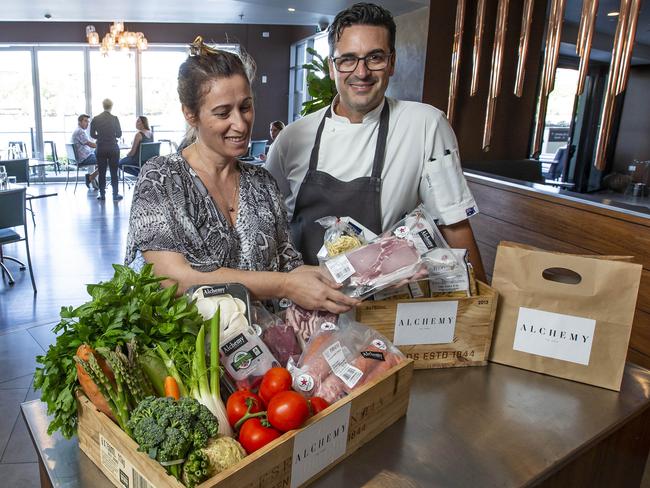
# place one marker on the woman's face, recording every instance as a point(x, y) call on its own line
point(226, 116)
point(138, 124)
point(273, 132)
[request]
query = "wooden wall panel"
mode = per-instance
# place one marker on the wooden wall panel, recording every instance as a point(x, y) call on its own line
point(521, 214)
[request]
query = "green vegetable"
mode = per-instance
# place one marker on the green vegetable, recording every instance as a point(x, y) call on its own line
point(217, 456)
point(155, 370)
point(169, 430)
point(200, 388)
point(130, 305)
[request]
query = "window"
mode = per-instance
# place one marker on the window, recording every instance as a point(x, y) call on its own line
point(63, 95)
point(159, 96)
point(559, 112)
point(17, 119)
point(113, 77)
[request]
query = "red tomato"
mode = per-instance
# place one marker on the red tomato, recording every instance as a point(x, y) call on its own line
point(236, 405)
point(317, 404)
point(254, 435)
point(287, 410)
point(275, 380)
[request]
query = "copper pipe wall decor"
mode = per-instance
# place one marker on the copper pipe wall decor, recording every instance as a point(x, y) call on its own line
point(455, 60)
point(551, 53)
point(618, 73)
point(524, 38)
point(478, 41)
point(585, 37)
point(495, 74)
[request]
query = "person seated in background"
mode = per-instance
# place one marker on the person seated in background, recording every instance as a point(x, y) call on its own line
point(203, 216)
point(143, 134)
point(84, 149)
point(274, 129)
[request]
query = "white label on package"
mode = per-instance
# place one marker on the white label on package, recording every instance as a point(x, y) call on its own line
point(120, 467)
point(319, 445)
point(340, 267)
point(554, 335)
point(335, 357)
point(425, 323)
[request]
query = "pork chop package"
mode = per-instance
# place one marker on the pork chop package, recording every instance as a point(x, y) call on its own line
point(413, 249)
point(279, 337)
point(340, 358)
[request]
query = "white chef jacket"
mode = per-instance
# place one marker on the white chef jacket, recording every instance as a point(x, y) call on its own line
point(421, 163)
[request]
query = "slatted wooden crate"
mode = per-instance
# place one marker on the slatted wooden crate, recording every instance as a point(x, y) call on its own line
point(472, 335)
point(295, 459)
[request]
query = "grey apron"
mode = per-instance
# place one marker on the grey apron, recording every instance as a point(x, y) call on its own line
point(321, 195)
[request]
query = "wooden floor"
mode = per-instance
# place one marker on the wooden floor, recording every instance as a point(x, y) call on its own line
point(74, 242)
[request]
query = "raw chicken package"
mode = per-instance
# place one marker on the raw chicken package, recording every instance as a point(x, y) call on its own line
point(411, 250)
point(340, 358)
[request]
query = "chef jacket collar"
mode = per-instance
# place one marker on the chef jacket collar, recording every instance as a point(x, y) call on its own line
point(371, 117)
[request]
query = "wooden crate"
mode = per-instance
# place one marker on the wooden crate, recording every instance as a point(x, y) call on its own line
point(295, 459)
point(472, 335)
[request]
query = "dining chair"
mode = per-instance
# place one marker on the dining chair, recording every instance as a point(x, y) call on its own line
point(73, 161)
point(146, 151)
point(18, 168)
point(14, 214)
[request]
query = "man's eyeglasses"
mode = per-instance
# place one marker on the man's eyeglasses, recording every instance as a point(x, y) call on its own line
point(374, 62)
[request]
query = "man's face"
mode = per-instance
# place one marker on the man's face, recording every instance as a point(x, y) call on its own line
point(362, 90)
point(84, 123)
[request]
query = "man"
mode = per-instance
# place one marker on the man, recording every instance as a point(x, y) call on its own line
point(105, 128)
point(367, 156)
point(84, 149)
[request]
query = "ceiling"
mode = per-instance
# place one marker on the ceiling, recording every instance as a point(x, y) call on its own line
point(607, 25)
point(308, 12)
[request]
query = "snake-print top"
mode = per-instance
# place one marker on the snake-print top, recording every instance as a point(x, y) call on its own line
point(173, 211)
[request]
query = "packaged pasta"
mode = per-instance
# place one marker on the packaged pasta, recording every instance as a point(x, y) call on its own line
point(340, 236)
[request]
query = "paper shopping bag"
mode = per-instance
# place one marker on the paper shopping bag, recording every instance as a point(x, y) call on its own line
point(564, 315)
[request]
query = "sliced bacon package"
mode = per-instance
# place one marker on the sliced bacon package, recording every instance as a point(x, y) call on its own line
point(340, 358)
point(413, 249)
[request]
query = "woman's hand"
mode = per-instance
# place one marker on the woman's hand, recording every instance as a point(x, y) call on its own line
point(308, 287)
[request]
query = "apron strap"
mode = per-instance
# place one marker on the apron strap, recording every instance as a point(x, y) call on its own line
point(313, 159)
point(380, 148)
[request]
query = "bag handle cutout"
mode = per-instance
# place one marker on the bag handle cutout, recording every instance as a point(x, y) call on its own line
point(562, 275)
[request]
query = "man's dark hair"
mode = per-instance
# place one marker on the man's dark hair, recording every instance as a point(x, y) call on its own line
point(83, 116)
point(361, 14)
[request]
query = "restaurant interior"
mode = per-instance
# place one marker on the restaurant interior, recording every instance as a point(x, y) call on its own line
point(547, 99)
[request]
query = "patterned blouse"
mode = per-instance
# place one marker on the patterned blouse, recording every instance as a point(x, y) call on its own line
point(173, 211)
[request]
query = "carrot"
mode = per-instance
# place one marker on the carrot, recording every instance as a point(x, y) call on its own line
point(171, 388)
point(87, 385)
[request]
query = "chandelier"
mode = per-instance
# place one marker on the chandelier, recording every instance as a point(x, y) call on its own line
point(116, 38)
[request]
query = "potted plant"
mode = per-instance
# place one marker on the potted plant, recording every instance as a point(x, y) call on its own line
point(320, 86)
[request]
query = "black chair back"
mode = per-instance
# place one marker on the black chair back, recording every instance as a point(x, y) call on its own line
point(12, 203)
point(18, 168)
point(148, 150)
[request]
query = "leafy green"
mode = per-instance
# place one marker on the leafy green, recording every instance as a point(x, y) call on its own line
point(320, 86)
point(130, 305)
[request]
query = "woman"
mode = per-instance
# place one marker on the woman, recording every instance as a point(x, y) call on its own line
point(143, 134)
point(202, 216)
point(274, 129)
